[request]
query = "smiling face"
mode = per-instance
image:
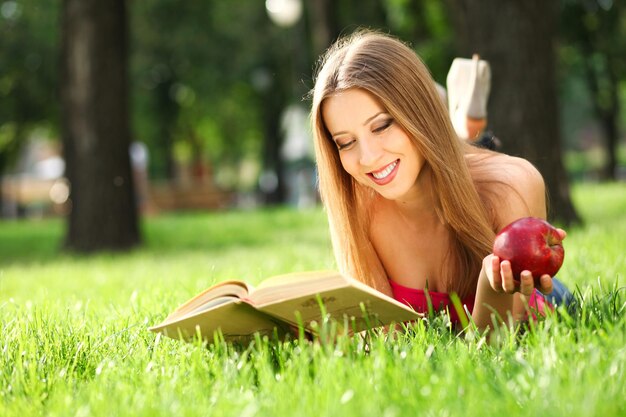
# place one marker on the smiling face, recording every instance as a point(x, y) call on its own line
point(373, 148)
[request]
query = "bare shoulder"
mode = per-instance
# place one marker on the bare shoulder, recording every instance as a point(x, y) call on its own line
point(521, 175)
point(517, 184)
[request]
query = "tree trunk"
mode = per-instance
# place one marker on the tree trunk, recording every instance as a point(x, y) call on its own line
point(274, 101)
point(95, 126)
point(167, 112)
point(7, 157)
point(517, 38)
point(605, 106)
point(320, 26)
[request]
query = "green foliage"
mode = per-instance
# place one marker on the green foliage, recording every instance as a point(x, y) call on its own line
point(426, 25)
point(28, 72)
point(75, 340)
point(193, 70)
point(593, 67)
point(204, 74)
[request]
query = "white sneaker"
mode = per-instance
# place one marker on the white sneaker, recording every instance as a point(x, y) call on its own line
point(469, 84)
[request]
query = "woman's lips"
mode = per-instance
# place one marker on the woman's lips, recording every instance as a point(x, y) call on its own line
point(385, 175)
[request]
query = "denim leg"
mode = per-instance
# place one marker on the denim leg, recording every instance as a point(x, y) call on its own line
point(560, 294)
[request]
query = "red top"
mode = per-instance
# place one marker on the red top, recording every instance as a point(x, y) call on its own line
point(441, 301)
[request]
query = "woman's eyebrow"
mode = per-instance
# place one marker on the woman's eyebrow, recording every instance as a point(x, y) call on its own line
point(373, 117)
point(343, 132)
point(369, 119)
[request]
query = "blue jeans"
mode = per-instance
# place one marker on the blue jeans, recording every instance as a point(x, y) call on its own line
point(560, 294)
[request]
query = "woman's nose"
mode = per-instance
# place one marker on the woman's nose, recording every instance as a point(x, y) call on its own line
point(370, 151)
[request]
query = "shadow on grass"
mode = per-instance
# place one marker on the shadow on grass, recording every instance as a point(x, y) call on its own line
point(41, 241)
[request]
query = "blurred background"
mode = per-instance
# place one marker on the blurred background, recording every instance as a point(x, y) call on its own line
point(114, 111)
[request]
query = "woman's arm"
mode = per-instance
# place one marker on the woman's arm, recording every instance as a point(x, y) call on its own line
point(521, 194)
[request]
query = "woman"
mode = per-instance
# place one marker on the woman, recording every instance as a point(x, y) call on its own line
point(413, 211)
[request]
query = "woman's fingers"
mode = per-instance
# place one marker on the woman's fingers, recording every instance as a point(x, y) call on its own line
point(496, 278)
point(562, 233)
point(527, 284)
point(545, 284)
point(500, 276)
point(508, 283)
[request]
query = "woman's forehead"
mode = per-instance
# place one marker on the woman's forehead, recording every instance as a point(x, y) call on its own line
point(354, 105)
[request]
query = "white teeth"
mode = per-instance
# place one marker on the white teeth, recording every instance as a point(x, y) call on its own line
point(383, 174)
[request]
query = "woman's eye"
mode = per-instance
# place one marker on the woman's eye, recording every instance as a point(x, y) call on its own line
point(382, 127)
point(344, 145)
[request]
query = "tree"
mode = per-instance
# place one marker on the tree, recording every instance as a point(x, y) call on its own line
point(210, 89)
point(28, 74)
point(517, 38)
point(596, 30)
point(329, 20)
point(95, 126)
point(425, 24)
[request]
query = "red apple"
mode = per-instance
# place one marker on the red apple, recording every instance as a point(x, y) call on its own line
point(530, 244)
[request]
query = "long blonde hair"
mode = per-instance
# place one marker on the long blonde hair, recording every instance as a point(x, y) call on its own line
point(392, 72)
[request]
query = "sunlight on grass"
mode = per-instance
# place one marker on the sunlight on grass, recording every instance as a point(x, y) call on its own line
point(75, 341)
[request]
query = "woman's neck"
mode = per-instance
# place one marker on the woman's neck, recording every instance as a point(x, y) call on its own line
point(419, 205)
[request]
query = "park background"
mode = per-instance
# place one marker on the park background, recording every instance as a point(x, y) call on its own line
point(114, 110)
point(149, 149)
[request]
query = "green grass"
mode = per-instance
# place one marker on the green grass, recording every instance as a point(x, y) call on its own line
point(73, 338)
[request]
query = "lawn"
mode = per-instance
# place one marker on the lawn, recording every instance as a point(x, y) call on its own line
point(74, 339)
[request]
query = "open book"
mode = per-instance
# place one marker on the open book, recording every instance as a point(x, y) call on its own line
point(279, 305)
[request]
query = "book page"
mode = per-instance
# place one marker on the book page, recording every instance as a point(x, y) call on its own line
point(282, 287)
point(206, 299)
point(223, 299)
point(342, 298)
point(235, 319)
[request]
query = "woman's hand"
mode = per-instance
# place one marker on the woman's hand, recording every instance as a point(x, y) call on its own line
point(500, 276)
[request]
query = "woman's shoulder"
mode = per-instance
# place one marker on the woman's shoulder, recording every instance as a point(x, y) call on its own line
point(516, 183)
point(502, 168)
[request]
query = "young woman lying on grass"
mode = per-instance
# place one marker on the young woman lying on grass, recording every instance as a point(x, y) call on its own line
point(410, 206)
